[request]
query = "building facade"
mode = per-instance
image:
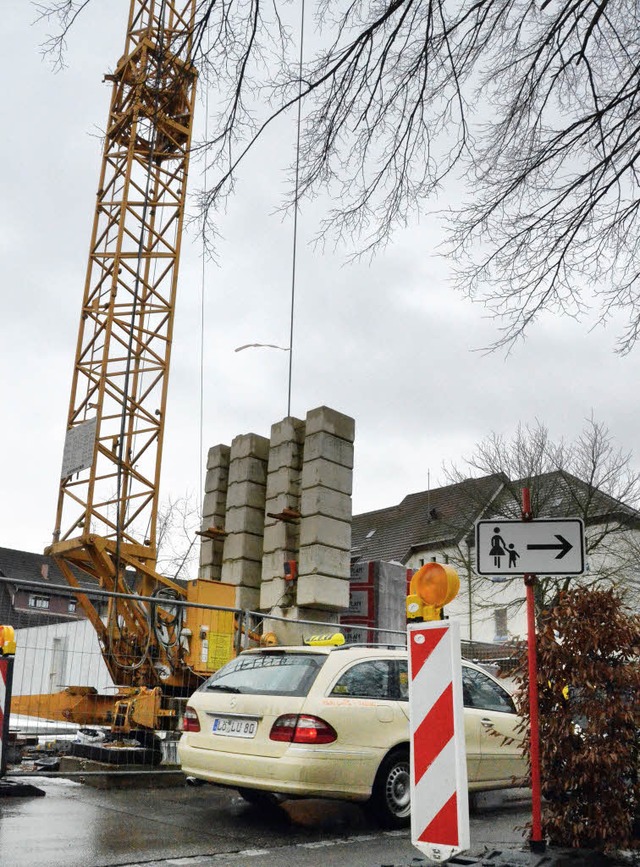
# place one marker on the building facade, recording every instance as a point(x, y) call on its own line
point(439, 525)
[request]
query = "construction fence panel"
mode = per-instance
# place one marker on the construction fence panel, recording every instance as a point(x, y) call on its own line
point(61, 657)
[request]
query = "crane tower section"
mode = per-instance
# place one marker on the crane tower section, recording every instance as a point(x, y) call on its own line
point(107, 506)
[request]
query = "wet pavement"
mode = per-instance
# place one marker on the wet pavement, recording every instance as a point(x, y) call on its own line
point(76, 825)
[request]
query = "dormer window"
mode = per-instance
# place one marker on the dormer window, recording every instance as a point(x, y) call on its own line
point(370, 534)
point(38, 601)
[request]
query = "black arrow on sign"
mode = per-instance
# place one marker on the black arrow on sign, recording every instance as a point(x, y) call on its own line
point(563, 548)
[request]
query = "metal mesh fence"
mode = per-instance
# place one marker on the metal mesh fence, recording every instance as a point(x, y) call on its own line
point(64, 697)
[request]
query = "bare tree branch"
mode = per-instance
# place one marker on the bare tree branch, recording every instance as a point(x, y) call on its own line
point(534, 108)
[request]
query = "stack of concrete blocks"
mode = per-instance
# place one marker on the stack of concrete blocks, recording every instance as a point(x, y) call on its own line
point(214, 510)
point(278, 500)
point(244, 522)
point(325, 502)
point(282, 533)
point(322, 487)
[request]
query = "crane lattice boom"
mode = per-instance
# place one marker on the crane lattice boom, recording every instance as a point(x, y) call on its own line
point(107, 506)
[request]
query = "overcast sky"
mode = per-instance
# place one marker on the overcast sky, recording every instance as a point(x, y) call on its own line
point(386, 342)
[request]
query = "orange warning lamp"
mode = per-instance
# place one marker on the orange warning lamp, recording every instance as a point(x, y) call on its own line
point(432, 587)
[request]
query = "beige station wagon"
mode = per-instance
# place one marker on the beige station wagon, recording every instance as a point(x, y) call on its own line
point(333, 722)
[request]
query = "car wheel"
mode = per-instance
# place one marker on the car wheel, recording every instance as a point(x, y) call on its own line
point(259, 798)
point(390, 800)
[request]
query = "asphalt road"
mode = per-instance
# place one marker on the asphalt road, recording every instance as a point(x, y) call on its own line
point(75, 825)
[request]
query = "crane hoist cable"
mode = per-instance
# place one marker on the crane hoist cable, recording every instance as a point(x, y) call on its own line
point(296, 207)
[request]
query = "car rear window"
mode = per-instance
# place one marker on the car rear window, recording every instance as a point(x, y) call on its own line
point(267, 674)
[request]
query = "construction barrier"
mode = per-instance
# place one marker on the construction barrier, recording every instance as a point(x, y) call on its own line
point(61, 680)
point(7, 654)
point(440, 808)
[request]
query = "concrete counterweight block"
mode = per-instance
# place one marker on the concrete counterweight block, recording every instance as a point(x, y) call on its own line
point(213, 511)
point(282, 528)
point(320, 591)
point(325, 527)
point(244, 519)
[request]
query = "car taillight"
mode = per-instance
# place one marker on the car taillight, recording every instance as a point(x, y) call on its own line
point(190, 721)
point(302, 729)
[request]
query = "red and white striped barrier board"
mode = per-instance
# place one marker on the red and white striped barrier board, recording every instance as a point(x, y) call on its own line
point(5, 693)
point(439, 791)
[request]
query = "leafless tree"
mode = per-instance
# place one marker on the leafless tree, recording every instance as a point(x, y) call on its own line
point(178, 544)
point(531, 110)
point(588, 479)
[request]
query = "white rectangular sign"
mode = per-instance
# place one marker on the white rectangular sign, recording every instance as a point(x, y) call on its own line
point(78, 448)
point(542, 547)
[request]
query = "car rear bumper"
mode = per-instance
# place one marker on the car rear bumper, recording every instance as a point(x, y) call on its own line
point(301, 771)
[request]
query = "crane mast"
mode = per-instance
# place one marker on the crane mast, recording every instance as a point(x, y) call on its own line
point(108, 499)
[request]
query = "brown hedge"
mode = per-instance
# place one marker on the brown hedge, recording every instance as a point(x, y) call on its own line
point(588, 649)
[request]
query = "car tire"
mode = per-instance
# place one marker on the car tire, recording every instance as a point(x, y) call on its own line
point(259, 798)
point(390, 802)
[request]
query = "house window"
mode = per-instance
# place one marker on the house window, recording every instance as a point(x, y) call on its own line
point(72, 606)
point(38, 601)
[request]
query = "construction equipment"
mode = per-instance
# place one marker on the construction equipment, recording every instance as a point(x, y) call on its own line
point(108, 502)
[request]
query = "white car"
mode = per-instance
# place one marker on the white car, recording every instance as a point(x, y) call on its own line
point(332, 722)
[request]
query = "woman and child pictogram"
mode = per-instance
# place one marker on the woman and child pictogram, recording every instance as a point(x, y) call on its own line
point(499, 549)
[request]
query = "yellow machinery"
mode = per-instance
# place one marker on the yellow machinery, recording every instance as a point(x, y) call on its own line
point(108, 502)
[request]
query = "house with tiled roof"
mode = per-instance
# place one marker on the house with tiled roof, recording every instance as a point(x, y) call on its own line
point(438, 525)
point(30, 593)
point(423, 525)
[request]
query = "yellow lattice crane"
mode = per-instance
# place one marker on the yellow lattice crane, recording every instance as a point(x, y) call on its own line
point(108, 502)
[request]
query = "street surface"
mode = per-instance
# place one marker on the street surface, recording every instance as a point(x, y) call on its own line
point(75, 825)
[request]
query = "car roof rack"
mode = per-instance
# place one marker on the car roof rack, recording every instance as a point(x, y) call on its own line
point(386, 645)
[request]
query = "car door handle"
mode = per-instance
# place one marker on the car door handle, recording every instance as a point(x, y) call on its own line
point(486, 722)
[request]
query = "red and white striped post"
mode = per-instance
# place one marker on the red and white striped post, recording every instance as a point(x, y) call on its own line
point(7, 653)
point(439, 789)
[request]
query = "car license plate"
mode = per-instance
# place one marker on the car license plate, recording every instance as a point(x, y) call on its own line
point(235, 727)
